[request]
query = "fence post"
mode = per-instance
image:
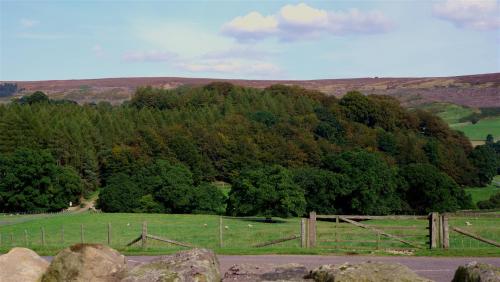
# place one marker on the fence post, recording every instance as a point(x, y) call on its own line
point(378, 240)
point(12, 238)
point(303, 233)
point(0, 239)
point(144, 234)
point(433, 230)
point(312, 229)
point(62, 234)
point(221, 242)
point(81, 233)
point(446, 233)
point(43, 237)
point(109, 234)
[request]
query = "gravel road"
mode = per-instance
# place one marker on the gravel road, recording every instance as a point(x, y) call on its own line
point(437, 269)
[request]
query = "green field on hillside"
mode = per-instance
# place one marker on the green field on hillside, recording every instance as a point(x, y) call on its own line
point(481, 129)
point(452, 114)
point(240, 235)
point(484, 193)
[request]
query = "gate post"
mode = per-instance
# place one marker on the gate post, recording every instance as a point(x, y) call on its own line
point(433, 230)
point(312, 229)
point(446, 232)
point(303, 243)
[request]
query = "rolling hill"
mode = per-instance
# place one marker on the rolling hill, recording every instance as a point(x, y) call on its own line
point(481, 90)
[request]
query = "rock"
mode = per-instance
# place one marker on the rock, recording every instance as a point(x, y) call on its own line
point(21, 264)
point(365, 272)
point(86, 262)
point(477, 272)
point(267, 272)
point(196, 265)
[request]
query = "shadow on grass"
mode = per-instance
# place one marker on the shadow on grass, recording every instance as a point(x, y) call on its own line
point(258, 219)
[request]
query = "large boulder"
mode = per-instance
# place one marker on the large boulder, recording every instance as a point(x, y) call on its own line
point(21, 264)
point(266, 272)
point(477, 272)
point(365, 272)
point(86, 262)
point(196, 265)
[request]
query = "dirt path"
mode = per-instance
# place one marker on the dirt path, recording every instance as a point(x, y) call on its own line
point(438, 269)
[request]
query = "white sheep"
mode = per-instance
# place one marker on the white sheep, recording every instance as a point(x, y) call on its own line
point(250, 226)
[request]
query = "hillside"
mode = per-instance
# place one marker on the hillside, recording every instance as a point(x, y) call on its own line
point(474, 90)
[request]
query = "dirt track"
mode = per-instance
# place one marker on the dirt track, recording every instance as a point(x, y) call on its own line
point(437, 269)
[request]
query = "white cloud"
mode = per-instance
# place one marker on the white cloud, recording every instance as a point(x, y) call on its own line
point(302, 15)
point(149, 56)
point(259, 69)
point(301, 21)
point(474, 14)
point(27, 23)
point(251, 26)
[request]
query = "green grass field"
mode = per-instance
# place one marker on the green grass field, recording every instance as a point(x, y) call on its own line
point(239, 234)
point(452, 113)
point(481, 129)
point(484, 193)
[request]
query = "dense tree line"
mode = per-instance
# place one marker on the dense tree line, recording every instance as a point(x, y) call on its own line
point(285, 150)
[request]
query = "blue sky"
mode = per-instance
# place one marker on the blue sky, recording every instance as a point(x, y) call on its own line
point(43, 40)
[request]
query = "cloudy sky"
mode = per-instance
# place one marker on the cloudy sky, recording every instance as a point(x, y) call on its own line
point(42, 40)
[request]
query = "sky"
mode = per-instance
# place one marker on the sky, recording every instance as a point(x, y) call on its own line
point(44, 40)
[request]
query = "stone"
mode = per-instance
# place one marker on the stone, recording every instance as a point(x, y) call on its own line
point(86, 262)
point(196, 265)
point(477, 272)
point(365, 272)
point(21, 264)
point(266, 272)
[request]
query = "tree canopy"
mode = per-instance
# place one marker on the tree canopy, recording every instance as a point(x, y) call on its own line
point(160, 151)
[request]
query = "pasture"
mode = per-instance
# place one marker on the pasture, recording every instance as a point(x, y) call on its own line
point(240, 235)
point(484, 193)
point(452, 113)
point(481, 129)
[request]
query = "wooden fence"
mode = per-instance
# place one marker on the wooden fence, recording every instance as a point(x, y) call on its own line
point(341, 232)
point(413, 232)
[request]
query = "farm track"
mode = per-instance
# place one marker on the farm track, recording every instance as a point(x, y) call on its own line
point(437, 269)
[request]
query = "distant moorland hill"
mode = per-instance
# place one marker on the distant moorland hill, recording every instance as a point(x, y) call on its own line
point(481, 90)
